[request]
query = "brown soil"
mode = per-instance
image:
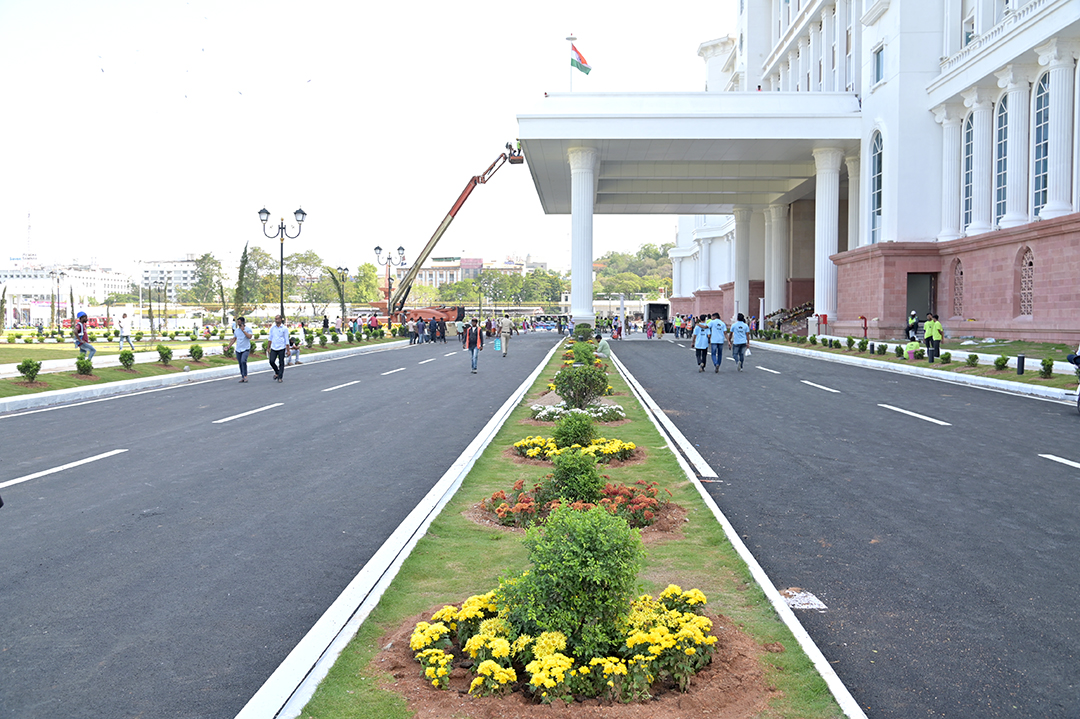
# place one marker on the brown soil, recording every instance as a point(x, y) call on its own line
point(667, 525)
point(731, 687)
point(638, 457)
point(31, 385)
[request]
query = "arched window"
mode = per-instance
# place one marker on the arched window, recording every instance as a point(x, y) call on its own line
point(1027, 282)
point(1040, 134)
point(876, 158)
point(958, 289)
point(1001, 148)
point(967, 181)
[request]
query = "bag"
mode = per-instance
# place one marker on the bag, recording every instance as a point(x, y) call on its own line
point(747, 354)
point(498, 344)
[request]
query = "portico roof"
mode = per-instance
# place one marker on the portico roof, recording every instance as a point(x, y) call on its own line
point(686, 153)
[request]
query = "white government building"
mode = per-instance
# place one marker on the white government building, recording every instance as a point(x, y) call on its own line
point(868, 156)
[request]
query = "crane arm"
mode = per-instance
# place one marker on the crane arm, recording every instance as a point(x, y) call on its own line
point(397, 300)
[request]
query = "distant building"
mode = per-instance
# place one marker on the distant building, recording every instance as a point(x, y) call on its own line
point(31, 289)
point(178, 275)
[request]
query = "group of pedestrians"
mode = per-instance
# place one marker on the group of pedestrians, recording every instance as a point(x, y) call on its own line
point(712, 334)
point(280, 346)
point(421, 330)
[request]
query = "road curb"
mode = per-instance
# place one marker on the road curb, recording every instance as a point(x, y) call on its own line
point(1001, 385)
point(112, 389)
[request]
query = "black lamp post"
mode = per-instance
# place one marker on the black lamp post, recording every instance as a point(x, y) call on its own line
point(264, 215)
point(390, 262)
point(343, 277)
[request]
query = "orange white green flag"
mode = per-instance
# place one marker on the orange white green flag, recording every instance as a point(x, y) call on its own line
point(578, 60)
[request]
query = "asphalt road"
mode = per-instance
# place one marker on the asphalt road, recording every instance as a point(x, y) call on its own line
point(946, 554)
point(171, 579)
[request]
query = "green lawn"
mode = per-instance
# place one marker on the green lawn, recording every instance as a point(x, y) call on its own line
point(458, 558)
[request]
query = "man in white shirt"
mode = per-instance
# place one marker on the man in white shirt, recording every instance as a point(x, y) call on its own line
point(124, 326)
point(279, 340)
point(506, 328)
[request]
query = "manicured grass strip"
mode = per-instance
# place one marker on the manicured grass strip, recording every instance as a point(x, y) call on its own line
point(458, 558)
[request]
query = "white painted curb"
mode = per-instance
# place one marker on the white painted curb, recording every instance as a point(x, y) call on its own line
point(840, 692)
point(291, 686)
point(110, 389)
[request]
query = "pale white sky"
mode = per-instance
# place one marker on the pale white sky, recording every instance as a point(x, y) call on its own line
point(151, 129)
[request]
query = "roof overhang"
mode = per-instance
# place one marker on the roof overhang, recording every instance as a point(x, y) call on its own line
point(686, 153)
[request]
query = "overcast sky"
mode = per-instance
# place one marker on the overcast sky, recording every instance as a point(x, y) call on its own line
point(149, 129)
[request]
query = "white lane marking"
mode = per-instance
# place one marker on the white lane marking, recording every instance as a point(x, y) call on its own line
point(61, 468)
point(821, 386)
point(1051, 457)
point(915, 414)
point(673, 342)
point(331, 389)
point(245, 414)
point(450, 353)
point(766, 369)
point(428, 360)
point(399, 369)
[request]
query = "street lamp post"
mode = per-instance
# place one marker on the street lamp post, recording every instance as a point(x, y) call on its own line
point(343, 277)
point(390, 262)
point(300, 215)
point(153, 328)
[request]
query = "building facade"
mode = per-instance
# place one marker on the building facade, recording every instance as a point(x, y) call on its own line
point(176, 275)
point(32, 290)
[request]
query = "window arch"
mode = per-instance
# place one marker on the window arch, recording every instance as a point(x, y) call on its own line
point(1027, 282)
point(967, 181)
point(1001, 150)
point(876, 159)
point(1040, 137)
point(958, 289)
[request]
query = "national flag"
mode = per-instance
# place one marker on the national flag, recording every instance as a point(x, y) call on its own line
point(578, 60)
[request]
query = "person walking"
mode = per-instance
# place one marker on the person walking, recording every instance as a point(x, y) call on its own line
point(242, 342)
point(303, 340)
point(411, 325)
point(474, 342)
point(932, 334)
point(82, 340)
point(459, 325)
point(432, 327)
point(441, 331)
point(912, 326)
point(717, 340)
point(279, 339)
point(124, 326)
point(740, 340)
point(421, 331)
point(701, 342)
point(506, 328)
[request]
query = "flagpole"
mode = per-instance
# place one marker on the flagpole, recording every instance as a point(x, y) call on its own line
point(571, 41)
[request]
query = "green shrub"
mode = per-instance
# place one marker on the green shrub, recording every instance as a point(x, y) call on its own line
point(164, 354)
point(579, 386)
point(196, 352)
point(350, 337)
point(334, 337)
point(574, 478)
point(116, 333)
point(899, 349)
point(84, 366)
point(863, 344)
point(946, 357)
point(172, 336)
point(138, 336)
point(309, 340)
point(266, 346)
point(972, 360)
point(41, 340)
point(813, 339)
point(574, 428)
point(228, 351)
point(582, 581)
point(29, 369)
point(92, 336)
point(127, 359)
point(322, 340)
point(1001, 362)
point(1047, 368)
point(920, 354)
point(850, 343)
point(882, 349)
point(583, 352)
point(583, 331)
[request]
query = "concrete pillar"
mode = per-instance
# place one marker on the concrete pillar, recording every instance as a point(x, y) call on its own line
point(854, 197)
point(1057, 56)
point(770, 261)
point(981, 103)
point(949, 117)
point(826, 227)
point(815, 54)
point(793, 70)
point(1016, 79)
point(705, 263)
point(780, 253)
point(803, 44)
point(828, 26)
point(742, 258)
point(676, 277)
point(584, 161)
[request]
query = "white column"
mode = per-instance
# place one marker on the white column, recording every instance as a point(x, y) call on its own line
point(1016, 79)
point(770, 262)
point(854, 197)
point(793, 70)
point(981, 104)
point(676, 277)
point(780, 253)
point(1057, 56)
point(814, 52)
point(584, 162)
point(826, 227)
point(949, 117)
point(804, 62)
point(705, 261)
point(742, 258)
point(828, 25)
point(843, 7)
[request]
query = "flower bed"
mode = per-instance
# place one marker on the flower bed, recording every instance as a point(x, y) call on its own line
point(637, 503)
point(603, 449)
point(598, 412)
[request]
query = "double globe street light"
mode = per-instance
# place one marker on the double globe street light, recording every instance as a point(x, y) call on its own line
point(390, 262)
point(264, 215)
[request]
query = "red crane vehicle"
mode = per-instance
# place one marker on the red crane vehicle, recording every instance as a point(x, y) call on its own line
point(396, 301)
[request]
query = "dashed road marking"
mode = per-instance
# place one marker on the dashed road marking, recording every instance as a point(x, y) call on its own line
point(450, 353)
point(399, 369)
point(245, 414)
point(1051, 457)
point(331, 389)
point(428, 360)
point(820, 386)
point(915, 414)
point(766, 369)
point(61, 468)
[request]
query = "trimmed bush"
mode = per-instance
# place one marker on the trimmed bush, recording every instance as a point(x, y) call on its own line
point(579, 386)
point(84, 366)
point(813, 339)
point(850, 343)
point(863, 344)
point(899, 349)
point(29, 369)
point(574, 478)
point(228, 351)
point(334, 337)
point(164, 354)
point(322, 341)
point(946, 357)
point(309, 340)
point(583, 331)
point(972, 360)
point(127, 359)
point(1046, 370)
point(574, 428)
point(882, 349)
point(138, 336)
point(196, 352)
point(920, 354)
point(1001, 362)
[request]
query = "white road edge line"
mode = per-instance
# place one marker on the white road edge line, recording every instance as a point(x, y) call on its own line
point(399, 369)
point(347, 384)
point(915, 414)
point(695, 457)
point(1051, 457)
point(766, 369)
point(292, 684)
point(820, 386)
point(61, 468)
point(245, 414)
point(428, 360)
point(843, 697)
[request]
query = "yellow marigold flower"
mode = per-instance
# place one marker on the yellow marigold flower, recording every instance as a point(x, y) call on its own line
point(499, 647)
point(690, 651)
point(673, 590)
point(447, 614)
point(476, 684)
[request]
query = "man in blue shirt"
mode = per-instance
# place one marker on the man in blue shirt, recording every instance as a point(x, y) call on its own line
point(717, 340)
point(242, 340)
point(740, 340)
point(701, 342)
point(279, 340)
